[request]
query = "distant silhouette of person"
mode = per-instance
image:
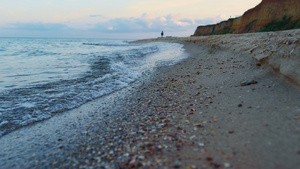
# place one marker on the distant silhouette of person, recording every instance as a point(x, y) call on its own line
point(162, 33)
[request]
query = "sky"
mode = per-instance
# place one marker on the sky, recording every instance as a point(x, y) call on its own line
point(116, 19)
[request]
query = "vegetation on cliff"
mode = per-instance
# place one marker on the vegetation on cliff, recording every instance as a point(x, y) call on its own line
point(269, 15)
point(279, 25)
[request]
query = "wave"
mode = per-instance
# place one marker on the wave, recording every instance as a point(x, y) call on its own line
point(108, 71)
point(110, 44)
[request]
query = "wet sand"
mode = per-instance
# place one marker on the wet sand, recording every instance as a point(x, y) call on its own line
point(195, 114)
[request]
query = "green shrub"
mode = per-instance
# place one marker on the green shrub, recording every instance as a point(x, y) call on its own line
point(250, 25)
point(225, 30)
point(279, 25)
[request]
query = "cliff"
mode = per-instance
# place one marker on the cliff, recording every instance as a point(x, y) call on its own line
point(269, 15)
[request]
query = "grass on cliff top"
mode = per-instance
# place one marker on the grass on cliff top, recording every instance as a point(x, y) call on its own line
point(285, 24)
point(225, 30)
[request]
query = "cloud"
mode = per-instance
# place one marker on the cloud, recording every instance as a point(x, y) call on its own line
point(147, 24)
point(38, 26)
point(207, 21)
point(144, 23)
point(38, 29)
point(95, 16)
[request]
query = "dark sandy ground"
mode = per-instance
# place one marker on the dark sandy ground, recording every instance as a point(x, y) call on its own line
point(195, 114)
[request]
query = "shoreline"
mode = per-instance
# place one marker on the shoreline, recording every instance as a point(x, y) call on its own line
point(194, 114)
point(279, 50)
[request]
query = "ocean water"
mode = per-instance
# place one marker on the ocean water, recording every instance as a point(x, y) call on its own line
point(42, 77)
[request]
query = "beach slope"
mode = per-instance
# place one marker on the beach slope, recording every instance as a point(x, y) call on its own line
point(234, 103)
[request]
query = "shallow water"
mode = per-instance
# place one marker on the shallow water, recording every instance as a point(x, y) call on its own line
point(42, 77)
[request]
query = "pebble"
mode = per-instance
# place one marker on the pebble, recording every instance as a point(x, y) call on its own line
point(201, 144)
point(248, 82)
point(227, 165)
point(153, 128)
point(192, 137)
point(177, 164)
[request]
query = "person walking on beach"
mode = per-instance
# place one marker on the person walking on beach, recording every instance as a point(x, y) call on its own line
point(162, 33)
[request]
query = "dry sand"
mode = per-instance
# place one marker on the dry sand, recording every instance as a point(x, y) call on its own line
point(196, 114)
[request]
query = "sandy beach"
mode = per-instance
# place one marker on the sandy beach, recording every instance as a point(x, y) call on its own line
point(234, 103)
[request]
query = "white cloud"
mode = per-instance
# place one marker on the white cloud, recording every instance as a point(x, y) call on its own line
point(145, 23)
point(95, 16)
point(37, 26)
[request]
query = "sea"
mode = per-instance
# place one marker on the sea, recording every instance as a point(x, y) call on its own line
point(40, 77)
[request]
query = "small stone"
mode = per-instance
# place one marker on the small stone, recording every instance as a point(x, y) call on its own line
point(201, 144)
point(231, 132)
point(215, 165)
point(203, 150)
point(227, 165)
point(192, 137)
point(141, 157)
point(248, 82)
point(199, 125)
point(177, 164)
point(179, 128)
point(209, 158)
point(191, 167)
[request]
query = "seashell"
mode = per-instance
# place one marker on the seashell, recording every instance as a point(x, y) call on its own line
point(248, 82)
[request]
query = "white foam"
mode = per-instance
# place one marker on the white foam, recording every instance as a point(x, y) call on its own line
point(121, 66)
point(27, 105)
point(3, 123)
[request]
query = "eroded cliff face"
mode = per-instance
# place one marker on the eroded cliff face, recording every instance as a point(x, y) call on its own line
point(268, 12)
